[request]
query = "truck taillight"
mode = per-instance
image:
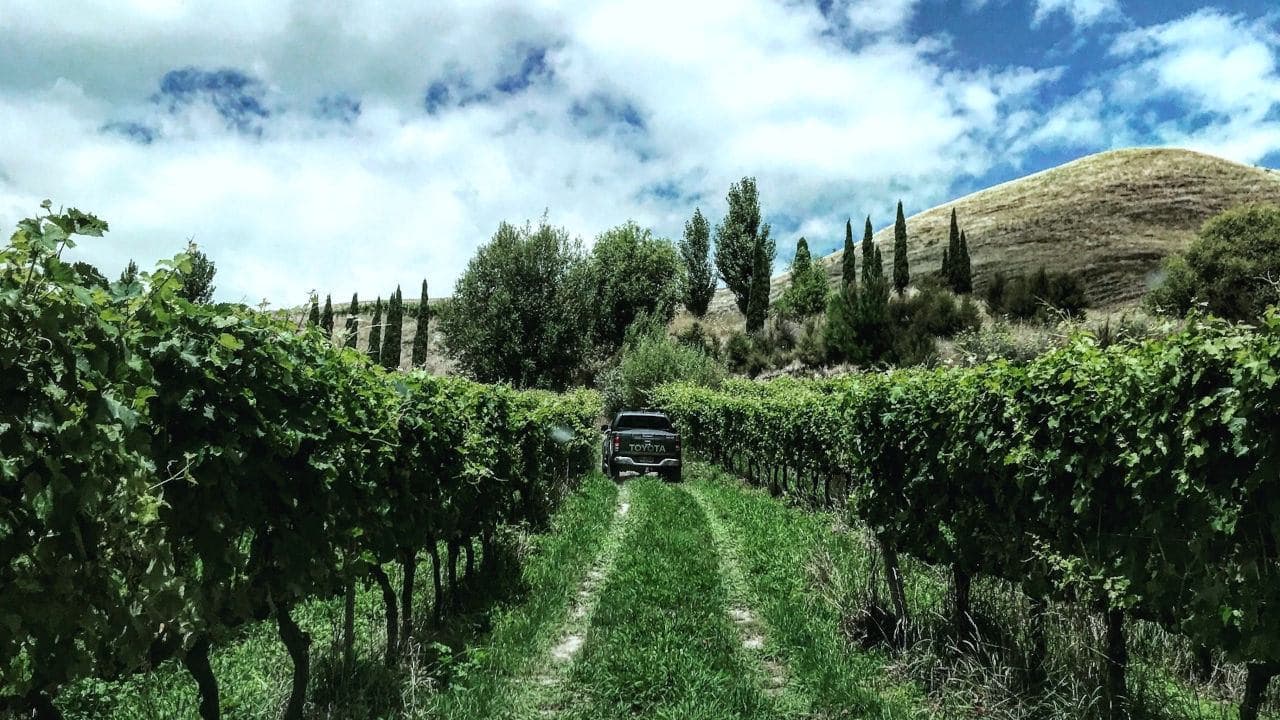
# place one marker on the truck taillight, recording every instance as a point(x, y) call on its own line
point(677, 443)
point(616, 442)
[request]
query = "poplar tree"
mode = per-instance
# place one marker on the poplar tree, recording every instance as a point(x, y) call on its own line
point(737, 237)
point(375, 332)
point(849, 264)
point(699, 276)
point(901, 273)
point(353, 321)
point(423, 334)
point(326, 316)
point(130, 274)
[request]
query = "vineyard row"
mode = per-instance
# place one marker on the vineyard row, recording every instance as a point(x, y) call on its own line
point(172, 471)
point(1140, 479)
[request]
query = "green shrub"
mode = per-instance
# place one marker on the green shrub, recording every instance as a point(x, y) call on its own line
point(651, 360)
point(1232, 267)
point(1042, 297)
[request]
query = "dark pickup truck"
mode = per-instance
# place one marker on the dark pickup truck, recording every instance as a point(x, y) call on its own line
point(641, 441)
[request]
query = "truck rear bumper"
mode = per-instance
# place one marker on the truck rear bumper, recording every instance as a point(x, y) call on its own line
point(626, 462)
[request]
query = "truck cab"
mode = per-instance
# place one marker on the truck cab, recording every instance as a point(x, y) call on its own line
point(641, 441)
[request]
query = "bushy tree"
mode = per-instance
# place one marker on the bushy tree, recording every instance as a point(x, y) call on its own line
point(1041, 296)
point(840, 334)
point(699, 282)
point(521, 310)
point(313, 316)
point(761, 276)
point(1232, 267)
point(631, 273)
point(737, 241)
point(848, 259)
point(994, 294)
point(197, 284)
point(326, 316)
point(807, 293)
point(393, 332)
point(353, 321)
point(375, 333)
point(901, 272)
point(422, 336)
point(652, 358)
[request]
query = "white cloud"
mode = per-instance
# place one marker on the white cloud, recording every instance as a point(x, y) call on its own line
point(1081, 12)
point(830, 127)
point(1221, 69)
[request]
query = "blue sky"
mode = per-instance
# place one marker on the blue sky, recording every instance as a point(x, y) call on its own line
point(309, 147)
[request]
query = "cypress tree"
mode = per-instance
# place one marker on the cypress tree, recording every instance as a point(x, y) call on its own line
point(353, 321)
point(761, 269)
point(807, 293)
point(326, 317)
point(423, 333)
point(953, 251)
point(849, 266)
point(901, 273)
point(313, 318)
point(961, 268)
point(391, 335)
point(375, 332)
point(869, 264)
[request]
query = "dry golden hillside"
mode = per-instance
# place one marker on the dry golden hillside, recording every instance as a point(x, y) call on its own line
point(1110, 218)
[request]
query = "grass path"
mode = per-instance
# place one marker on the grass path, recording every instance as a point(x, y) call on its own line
point(784, 554)
point(543, 689)
point(497, 674)
point(660, 643)
point(752, 630)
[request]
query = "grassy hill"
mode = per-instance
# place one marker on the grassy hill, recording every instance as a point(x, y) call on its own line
point(1110, 218)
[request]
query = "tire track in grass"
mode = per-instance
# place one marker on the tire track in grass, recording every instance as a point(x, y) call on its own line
point(544, 688)
point(751, 628)
point(661, 643)
point(495, 681)
point(779, 549)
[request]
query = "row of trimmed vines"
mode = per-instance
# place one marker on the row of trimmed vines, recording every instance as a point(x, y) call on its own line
point(1142, 480)
point(170, 472)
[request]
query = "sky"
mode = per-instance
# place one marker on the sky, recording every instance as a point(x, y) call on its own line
point(353, 147)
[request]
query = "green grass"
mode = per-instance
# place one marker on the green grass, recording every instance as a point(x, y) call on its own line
point(660, 644)
point(780, 550)
point(522, 632)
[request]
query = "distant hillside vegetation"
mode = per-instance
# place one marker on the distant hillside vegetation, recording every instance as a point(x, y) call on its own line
point(1110, 218)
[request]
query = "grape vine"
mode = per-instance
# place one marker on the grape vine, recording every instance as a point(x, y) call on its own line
point(170, 471)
